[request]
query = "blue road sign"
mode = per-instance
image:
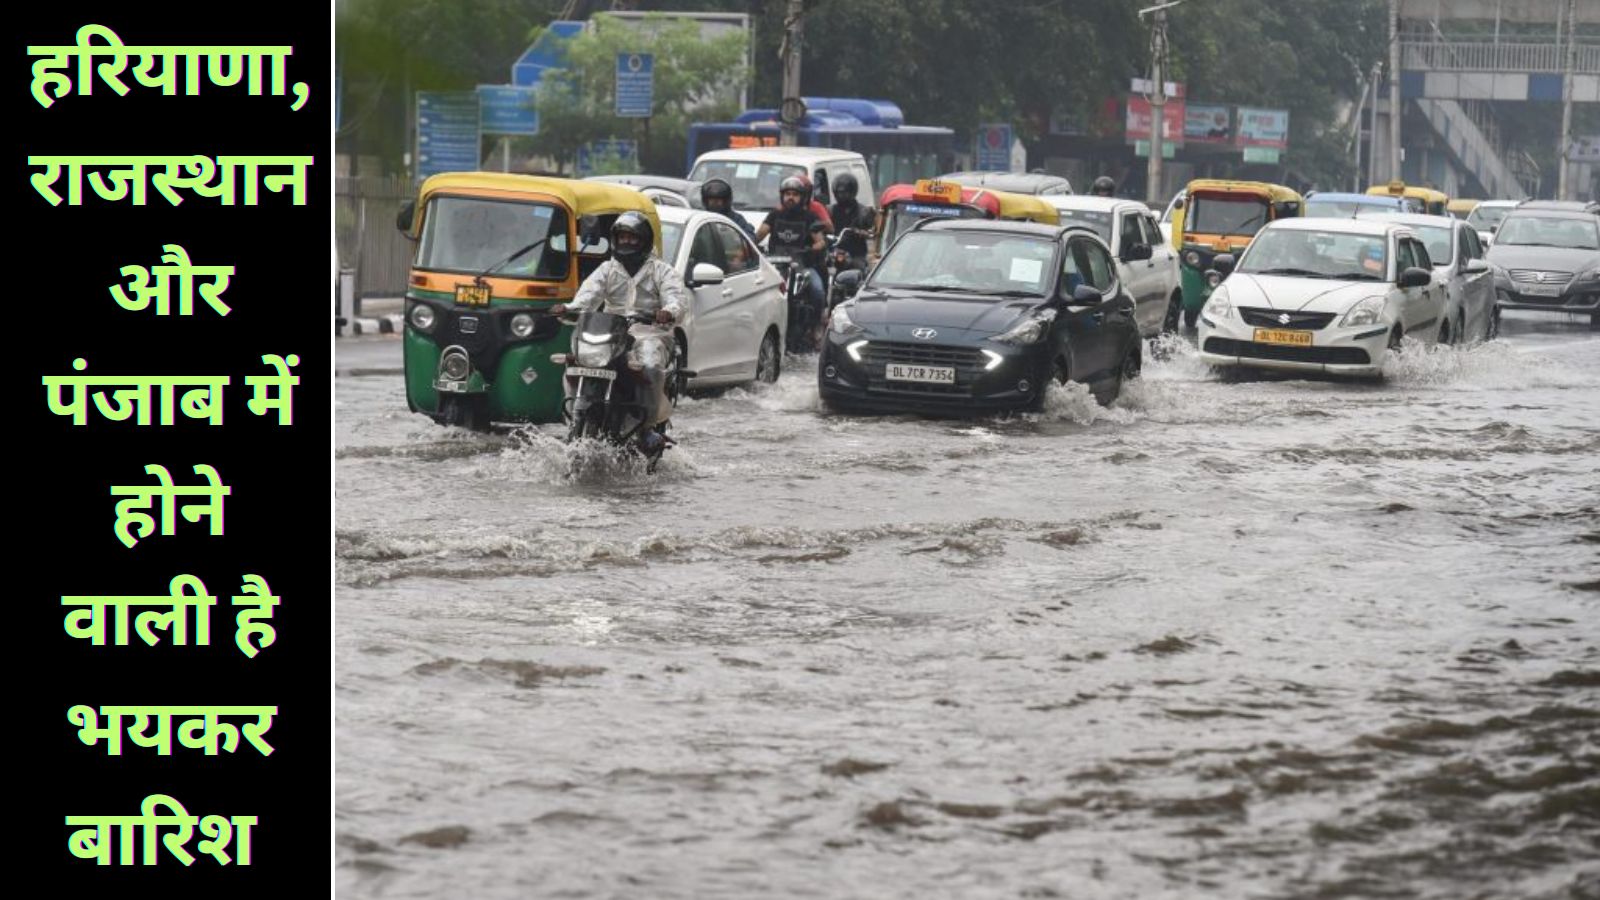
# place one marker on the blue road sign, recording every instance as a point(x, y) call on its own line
point(994, 148)
point(621, 149)
point(507, 109)
point(635, 84)
point(447, 132)
point(548, 52)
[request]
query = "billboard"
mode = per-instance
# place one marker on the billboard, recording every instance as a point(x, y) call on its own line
point(1205, 123)
point(1137, 122)
point(1263, 128)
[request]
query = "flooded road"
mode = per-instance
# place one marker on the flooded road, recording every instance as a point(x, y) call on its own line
point(1270, 638)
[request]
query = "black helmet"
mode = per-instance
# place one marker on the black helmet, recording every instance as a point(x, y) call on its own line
point(1103, 187)
point(845, 187)
point(716, 189)
point(798, 185)
point(634, 223)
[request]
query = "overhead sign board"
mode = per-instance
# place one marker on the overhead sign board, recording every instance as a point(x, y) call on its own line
point(635, 84)
point(507, 109)
point(447, 132)
point(1263, 128)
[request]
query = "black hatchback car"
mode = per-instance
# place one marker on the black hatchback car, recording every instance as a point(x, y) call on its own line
point(973, 316)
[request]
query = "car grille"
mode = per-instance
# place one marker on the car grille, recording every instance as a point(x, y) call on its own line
point(1332, 356)
point(1587, 301)
point(967, 361)
point(1273, 318)
point(1540, 276)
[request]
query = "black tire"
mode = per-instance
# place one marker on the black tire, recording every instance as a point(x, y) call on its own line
point(769, 358)
point(1190, 317)
point(1594, 321)
point(1447, 333)
point(1108, 391)
point(1174, 313)
point(1493, 330)
point(464, 414)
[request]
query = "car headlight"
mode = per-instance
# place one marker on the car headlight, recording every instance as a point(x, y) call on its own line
point(1029, 330)
point(521, 325)
point(841, 322)
point(1590, 275)
point(1365, 312)
point(422, 317)
point(1219, 306)
point(594, 355)
point(1192, 258)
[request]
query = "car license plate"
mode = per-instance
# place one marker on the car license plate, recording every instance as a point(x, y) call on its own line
point(472, 295)
point(1291, 338)
point(583, 372)
point(1540, 290)
point(929, 374)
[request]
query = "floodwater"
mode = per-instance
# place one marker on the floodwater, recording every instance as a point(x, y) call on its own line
point(1272, 638)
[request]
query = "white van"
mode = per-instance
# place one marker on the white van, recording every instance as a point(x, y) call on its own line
point(756, 172)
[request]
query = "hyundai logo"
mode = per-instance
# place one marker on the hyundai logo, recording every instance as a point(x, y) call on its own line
point(924, 334)
point(1285, 318)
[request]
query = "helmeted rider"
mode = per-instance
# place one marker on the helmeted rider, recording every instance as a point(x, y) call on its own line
point(635, 280)
point(1103, 187)
point(847, 213)
point(812, 203)
point(716, 196)
point(796, 232)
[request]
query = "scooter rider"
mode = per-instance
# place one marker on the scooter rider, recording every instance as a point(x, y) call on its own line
point(796, 232)
point(848, 214)
point(716, 196)
point(635, 280)
point(1103, 187)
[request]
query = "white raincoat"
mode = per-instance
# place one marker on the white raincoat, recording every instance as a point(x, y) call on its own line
point(655, 286)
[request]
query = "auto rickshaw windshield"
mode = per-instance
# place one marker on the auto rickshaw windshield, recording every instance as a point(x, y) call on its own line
point(1235, 215)
point(900, 216)
point(476, 235)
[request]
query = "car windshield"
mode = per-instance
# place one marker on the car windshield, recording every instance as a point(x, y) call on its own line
point(998, 264)
point(898, 217)
point(1548, 231)
point(671, 234)
point(1099, 221)
point(1317, 254)
point(1344, 209)
point(1484, 218)
point(755, 184)
point(475, 235)
point(1224, 215)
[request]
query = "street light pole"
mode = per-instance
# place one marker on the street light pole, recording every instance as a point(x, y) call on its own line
point(1394, 90)
point(1158, 99)
point(1566, 104)
point(793, 31)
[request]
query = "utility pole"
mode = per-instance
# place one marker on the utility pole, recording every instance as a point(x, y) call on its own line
point(1158, 99)
point(1566, 105)
point(1394, 90)
point(792, 109)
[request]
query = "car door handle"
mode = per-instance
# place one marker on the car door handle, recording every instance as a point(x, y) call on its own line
point(727, 292)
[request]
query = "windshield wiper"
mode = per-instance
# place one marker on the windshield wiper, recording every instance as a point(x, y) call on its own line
point(1357, 276)
point(1012, 293)
point(1307, 273)
point(507, 261)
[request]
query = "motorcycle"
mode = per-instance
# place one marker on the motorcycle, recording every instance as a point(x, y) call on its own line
point(606, 393)
point(841, 263)
point(801, 333)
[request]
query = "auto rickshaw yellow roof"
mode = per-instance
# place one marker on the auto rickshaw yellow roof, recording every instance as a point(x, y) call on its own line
point(1025, 206)
point(1275, 193)
point(582, 197)
point(1401, 189)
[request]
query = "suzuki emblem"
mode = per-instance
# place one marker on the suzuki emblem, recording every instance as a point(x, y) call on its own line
point(1284, 319)
point(924, 334)
point(1542, 277)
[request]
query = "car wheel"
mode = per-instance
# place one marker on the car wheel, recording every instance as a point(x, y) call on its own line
point(1395, 337)
point(768, 358)
point(1109, 390)
point(1492, 330)
point(1447, 334)
point(1594, 321)
point(1174, 313)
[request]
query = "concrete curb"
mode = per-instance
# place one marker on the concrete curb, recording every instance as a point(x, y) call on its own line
point(392, 323)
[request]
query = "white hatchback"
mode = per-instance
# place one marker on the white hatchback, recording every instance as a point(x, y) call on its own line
point(734, 329)
point(1328, 295)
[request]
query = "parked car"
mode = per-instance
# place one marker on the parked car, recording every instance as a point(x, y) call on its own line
point(734, 331)
point(1551, 258)
point(755, 173)
point(1147, 266)
point(1322, 295)
point(1037, 183)
point(972, 316)
point(1457, 257)
point(1486, 217)
point(664, 190)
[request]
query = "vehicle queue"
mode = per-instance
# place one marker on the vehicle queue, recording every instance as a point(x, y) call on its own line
point(977, 291)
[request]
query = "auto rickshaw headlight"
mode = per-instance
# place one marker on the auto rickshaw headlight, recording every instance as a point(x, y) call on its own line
point(422, 317)
point(455, 366)
point(521, 325)
point(1192, 258)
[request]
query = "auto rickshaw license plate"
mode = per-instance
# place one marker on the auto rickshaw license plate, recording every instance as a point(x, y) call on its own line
point(930, 374)
point(1291, 338)
point(472, 295)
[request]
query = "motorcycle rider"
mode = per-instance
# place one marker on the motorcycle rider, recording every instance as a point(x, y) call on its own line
point(848, 214)
point(1103, 187)
point(796, 232)
point(635, 280)
point(716, 196)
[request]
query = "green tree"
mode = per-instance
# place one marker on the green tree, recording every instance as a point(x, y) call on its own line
point(694, 78)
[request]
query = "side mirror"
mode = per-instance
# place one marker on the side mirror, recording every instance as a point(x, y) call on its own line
point(705, 273)
point(1224, 263)
point(1416, 276)
point(1136, 252)
point(1477, 265)
point(1493, 228)
point(407, 215)
point(1085, 295)
point(1177, 204)
point(848, 281)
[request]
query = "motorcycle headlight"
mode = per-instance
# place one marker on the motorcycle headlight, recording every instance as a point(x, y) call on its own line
point(521, 325)
point(842, 323)
point(1219, 306)
point(1365, 312)
point(422, 317)
point(1029, 330)
point(594, 355)
point(1192, 258)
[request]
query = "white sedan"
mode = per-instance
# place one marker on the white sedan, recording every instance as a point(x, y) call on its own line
point(1325, 295)
point(734, 330)
point(1457, 256)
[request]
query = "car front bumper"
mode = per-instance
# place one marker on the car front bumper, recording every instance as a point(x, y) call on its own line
point(1335, 349)
point(858, 380)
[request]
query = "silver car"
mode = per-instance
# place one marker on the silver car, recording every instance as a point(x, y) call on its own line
point(734, 330)
point(1469, 279)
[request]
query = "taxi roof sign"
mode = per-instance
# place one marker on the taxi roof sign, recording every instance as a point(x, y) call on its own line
point(934, 189)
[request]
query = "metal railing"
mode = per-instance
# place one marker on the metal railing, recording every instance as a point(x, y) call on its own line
point(1474, 57)
point(364, 228)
